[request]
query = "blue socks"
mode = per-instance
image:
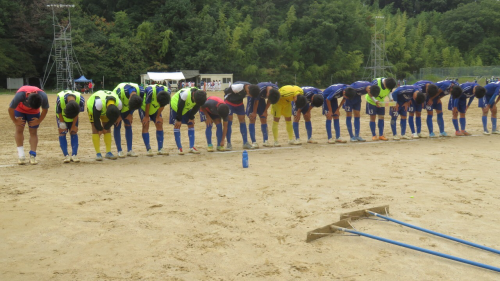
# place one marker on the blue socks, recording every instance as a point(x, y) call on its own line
point(493, 124)
point(159, 139)
point(309, 129)
point(336, 125)
point(63, 142)
point(402, 123)
point(33, 153)
point(208, 134)
point(440, 122)
point(462, 124)
point(412, 124)
point(348, 123)
point(218, 133)
point(263, 127)
point(243, 129)
point(455, 124)
point(418, 121)
point(485, 123)
point(74, 144)
point(191, 137)
point(380, 127)
point(229, 131)
point(251, 130)
point(145, 138)
point(128, 137)
point(296, 129)
point(357, 126)
point(177, 136)
point(328, 125)
point(393, 125)
point(429, 124)
point(373, 128)
point(118, 137)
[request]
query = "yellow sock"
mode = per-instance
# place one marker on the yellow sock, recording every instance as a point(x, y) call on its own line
point(97, 143)
point(275, 130)
point(289, 129)
point(107, 141)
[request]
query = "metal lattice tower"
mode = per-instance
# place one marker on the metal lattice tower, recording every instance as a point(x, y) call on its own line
point(62, 53)
point(377, 61)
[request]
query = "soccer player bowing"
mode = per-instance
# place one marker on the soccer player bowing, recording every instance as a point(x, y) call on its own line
point(214, 111)
point(313, 98)
point(403, 96)
point(68, 105)
point(458, 104)
point(25, 107)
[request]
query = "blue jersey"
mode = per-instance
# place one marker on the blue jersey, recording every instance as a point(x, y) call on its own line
point(263, 88)
point(445, 86)
point(492, 90)
point(309, 92)
point(335, 91)
point(149, 92)
point(404, 93)
point(360, 87)
point(423, 85)
point(468, 90)
point(130, 89)
point(58, 103)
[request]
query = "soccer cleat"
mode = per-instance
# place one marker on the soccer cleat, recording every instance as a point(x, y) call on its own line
point(486, 132)
point(443, 134)
point(383, 138)
point(255, 145)
point(496, 132)
point(405, 137)
point(121, 154)
point(277, 144)
point(33, 160)
point(360, 139)
point(193, 150)
point(21, 160)
point(267, 144)
point(98, 157)
point(396, 138)
point(340, 140)
point(354, 139)
point(247, 145)
point(162, 152)
point(415, 136)
point(459, 134)
point(374, 138)
point(229, 146)
point(110, 156)
point(465, 133)
point(220, 148)
point(181, 152)
point(149, 153)
point(67, 159)
point(75, 159)
point(432, 135)
point(331, 141)
point(311, 140)
point(420, 135)
point(210, 148)
point(131, 153)
point(295, 142)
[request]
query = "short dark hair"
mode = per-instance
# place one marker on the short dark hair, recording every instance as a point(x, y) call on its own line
point(274, 96)
point(301, 101)
point(420, 98)
point(112, 112)
point(200, 97)
point(223, 110)
point(350, 92)
point(390, 83)
point(254, 90)
point(317, 100)
point(374, 90)
point(480, 91)
point(72, 109)
point(163, 98)
point(135, 102)
point(432, 90)
point(456, 91)
point(34, 101)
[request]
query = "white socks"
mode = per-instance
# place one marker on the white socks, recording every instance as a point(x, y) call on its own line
point(20, 151)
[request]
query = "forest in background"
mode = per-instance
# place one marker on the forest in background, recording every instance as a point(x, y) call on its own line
point(314, 42)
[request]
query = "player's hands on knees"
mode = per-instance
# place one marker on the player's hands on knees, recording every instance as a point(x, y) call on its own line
point(74, 130)
point(191, 121)
point(177, 124)
point(100, 132)
point(455, 110)
point(209, 121)
point(19, 121)
point(264, 115)
point(130, 118)
point(429, 103)
point(252, 116)
point(329, 114)
point(145, 120)
point(34, 122)
point(296, 118)
point(159, 120)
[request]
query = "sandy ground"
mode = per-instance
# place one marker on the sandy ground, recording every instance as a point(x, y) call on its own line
point(203, 217)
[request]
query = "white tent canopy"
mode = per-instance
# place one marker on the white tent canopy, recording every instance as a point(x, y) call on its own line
point(162, 76)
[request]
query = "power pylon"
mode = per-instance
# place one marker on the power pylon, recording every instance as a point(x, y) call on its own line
point(377, 61)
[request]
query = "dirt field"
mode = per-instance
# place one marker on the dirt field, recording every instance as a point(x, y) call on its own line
point(204, 217)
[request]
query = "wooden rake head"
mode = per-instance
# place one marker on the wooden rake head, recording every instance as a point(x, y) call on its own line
point(328, 230)
point(356, 215)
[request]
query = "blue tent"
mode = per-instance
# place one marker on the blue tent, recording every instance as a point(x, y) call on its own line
point(83, 79)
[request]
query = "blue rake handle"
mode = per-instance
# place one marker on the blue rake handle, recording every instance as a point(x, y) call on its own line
point(419, 249)
point(437, 233)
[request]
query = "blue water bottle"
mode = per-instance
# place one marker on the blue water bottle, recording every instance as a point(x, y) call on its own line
point(245, 159)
